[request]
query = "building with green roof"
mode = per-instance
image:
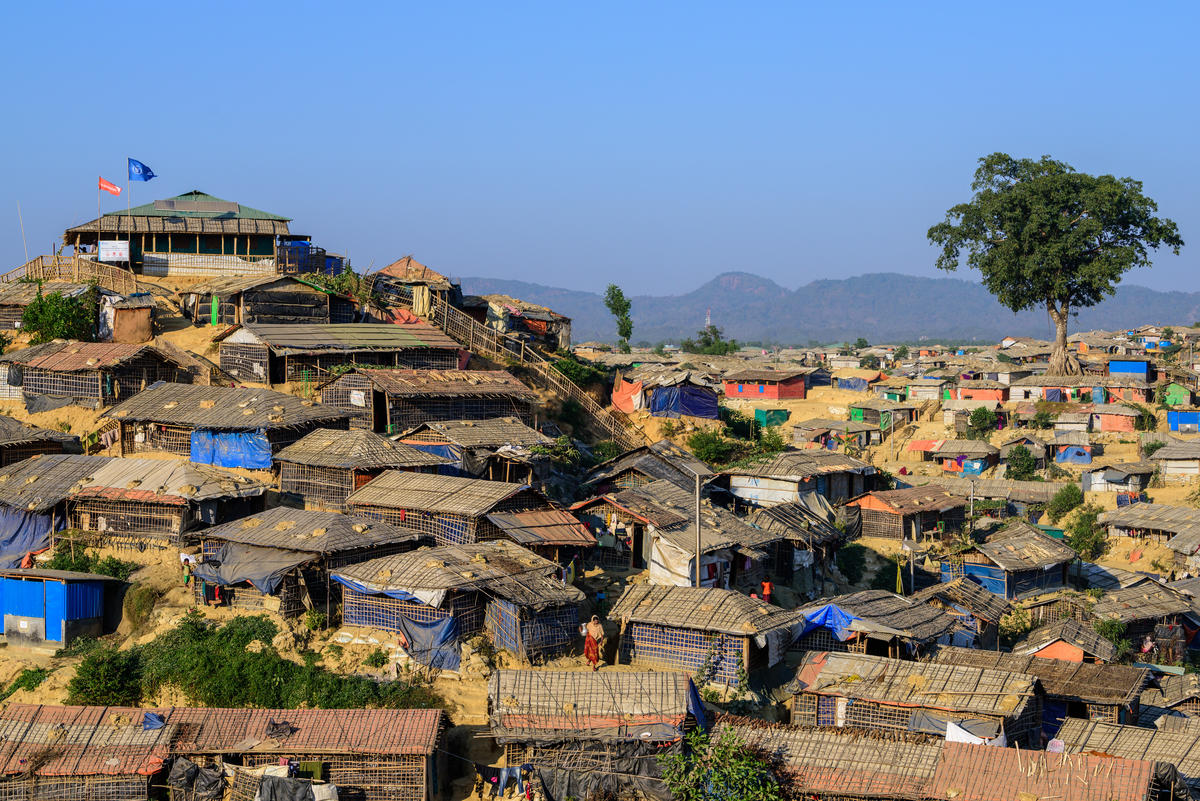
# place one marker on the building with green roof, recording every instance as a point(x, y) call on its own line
point(194, 234)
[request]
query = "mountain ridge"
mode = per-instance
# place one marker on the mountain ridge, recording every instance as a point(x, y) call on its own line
point(882, 307)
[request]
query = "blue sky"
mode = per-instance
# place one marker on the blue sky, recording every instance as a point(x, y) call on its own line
point(651, 144)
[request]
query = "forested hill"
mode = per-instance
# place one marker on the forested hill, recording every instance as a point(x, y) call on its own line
point(881, 307)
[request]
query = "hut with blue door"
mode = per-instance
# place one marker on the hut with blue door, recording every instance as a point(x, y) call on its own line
point(1018, 561)
point(53, 607)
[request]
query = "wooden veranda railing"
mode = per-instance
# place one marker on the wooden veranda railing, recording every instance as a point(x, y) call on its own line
point(501, 347)
point(75, 269)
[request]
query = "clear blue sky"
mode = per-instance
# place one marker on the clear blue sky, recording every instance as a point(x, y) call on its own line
point(651, 144)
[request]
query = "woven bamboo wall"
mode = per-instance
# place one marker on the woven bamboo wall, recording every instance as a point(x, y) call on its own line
point(121, 787)
point(534, 637)
point(321, 487)
point(18, 453)
point(876, 523)
point(406, 413)
point(365, 777)
point(247, 362)
point(113, 517)
point(382, 612)
point(684, 649)
point(157, 438)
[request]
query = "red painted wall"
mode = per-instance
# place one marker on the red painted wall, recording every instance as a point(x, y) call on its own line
point(770, 391)
point(969, 393)
point(1061, 650)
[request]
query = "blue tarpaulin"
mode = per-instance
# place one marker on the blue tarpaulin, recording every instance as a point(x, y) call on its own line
point(852, 384)
point(22, 532)
point(430, 643)
point(248, 449)
point(684, 399)
point(1074, 454)
point(832, 617)
point(1055, 395)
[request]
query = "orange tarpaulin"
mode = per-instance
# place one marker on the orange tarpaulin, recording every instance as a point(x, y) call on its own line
point(626, 396)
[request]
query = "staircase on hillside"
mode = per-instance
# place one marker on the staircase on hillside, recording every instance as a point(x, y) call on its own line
point(500, 347)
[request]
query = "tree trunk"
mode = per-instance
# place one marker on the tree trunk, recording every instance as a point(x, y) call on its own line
point(1061, 361)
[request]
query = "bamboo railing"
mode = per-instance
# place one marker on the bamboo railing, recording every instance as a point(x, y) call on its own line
point(497, 346)
point(74, 269)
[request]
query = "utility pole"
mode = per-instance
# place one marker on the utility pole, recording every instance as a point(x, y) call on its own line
point(697, 529)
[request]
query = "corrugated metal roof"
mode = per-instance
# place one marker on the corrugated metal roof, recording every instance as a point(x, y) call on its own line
point(54, 575)
point(222, 408)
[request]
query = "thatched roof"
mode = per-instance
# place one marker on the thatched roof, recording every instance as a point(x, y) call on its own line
point(498, 568)
point(428, 492)
point(1021, 546)
point(700, 608)
point(1080, 681)
point(801, 465)
point(1174, 746)
point(192, 212)
point(969, 448)
point(1182, 521)
point(69, 356)
point(400, 383)
point(410, 271)
point(963, 592)
point(663, 459)
point(904, 617)
point(1146, 601)
point(14, 432)
point(1002, 489)
point(40, 482)
point(760, 376)
point(549, 705)
point(1068, 630)
point(914, 500)
point(163, 481)
point(355, 449)
point(543, 527)
point(796, 522)
point(977, 691)
point(848, 763)
point(222, 408)
point(310, 531)
point(317, 337)
point(1173, 690)
point(492, 433)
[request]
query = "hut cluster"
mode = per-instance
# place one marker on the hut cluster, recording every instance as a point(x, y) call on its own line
point(387, 458)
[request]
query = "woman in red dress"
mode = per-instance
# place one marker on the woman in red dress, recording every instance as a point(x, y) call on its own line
point(593, 637)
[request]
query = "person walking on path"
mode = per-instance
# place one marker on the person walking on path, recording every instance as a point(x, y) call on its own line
point(593, 638)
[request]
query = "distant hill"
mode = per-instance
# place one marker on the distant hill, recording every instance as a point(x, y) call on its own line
point(882, 307)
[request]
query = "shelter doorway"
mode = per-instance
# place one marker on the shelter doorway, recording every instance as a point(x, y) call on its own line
point(379, 412)
point(641, 546)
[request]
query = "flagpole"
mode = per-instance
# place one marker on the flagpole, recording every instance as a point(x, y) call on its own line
point(129, 214)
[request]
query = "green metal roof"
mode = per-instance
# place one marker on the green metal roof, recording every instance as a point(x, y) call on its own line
point(196, 196)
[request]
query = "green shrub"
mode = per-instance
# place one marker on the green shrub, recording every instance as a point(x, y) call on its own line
point(1151, 448)
point(107, 677)
point(721, 767)
point(771, 441)
point(1020, 464)
point(981, 423)
point(606, 449)
point(335, 649)
point(1064, 501)
point(580, 373)
point(1085, 535)
point(83, 561)
point(1042, 419)
point(139, 604)
point(1114, 632)
point(711, 447)
point(314, 619)
point(27, 679)
point(56, 316)
point(376, 659)
point(572, 414)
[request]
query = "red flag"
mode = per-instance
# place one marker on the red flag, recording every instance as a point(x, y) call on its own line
point(110, 188)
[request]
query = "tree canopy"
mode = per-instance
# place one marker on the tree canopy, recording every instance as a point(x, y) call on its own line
point(1043, 234)
point(709, 341)
point(620, 307)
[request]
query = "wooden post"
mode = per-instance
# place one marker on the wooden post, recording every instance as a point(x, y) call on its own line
point(120, 438)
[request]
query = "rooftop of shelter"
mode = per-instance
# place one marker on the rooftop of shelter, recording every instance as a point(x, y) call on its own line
point(428, 492)
point(40, 482)
point(68, 356)
point(191, 212)
point(1021, 546)
point(494, 432)
point(663, 459)
point(1145, 601)
point(800, 465)
point(984, 691)
point(1090, 682)
point(222, 408)
point(410, 271)
point(914, 500)
point(701, 608)
point(356, 449)
point(970, 448)
point(761, 376)
point(498, 567)
point(886, 614)
point(162, 481)
point(310, 531)
point(1070, 631)
point(563, 704)
point(964, 593)
point(446, 383)
point(316, 336)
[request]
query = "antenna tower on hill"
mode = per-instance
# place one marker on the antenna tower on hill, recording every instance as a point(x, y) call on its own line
point(707, 317)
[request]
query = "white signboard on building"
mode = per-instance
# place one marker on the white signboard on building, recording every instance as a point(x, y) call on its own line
point(116, 250)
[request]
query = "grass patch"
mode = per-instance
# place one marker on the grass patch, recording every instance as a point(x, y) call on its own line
point(139, 605)
point(27, 679)
point(214, 667)
point(83, 561)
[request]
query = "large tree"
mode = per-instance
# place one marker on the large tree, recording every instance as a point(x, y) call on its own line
point(619, 306)
point(1042, 234)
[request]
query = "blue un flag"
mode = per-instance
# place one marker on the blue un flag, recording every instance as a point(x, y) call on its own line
point(139, 171)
